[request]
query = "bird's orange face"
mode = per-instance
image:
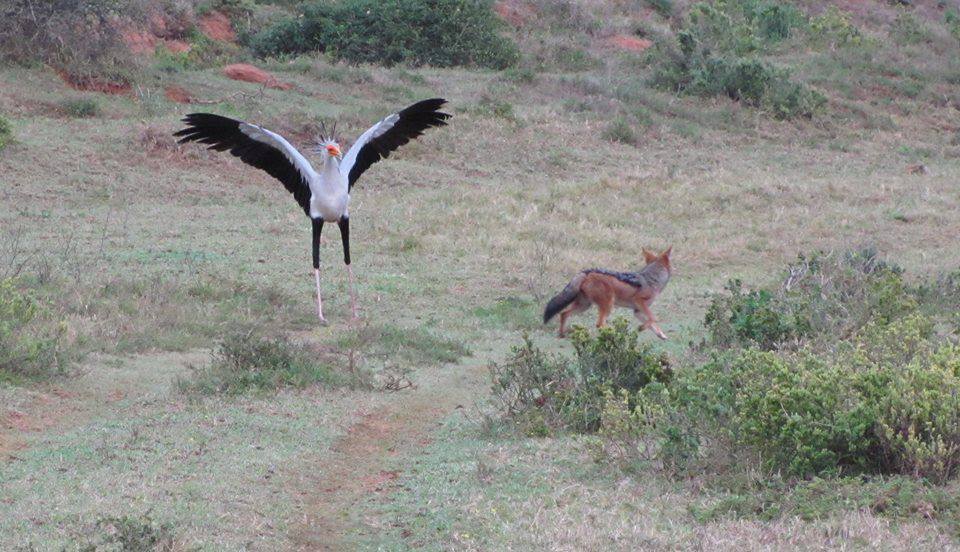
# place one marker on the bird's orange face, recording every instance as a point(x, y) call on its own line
point(333, 150)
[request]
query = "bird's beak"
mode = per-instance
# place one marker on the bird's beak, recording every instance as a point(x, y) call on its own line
point(333, 150)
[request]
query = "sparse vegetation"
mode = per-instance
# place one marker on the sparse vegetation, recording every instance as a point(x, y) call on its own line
point(130, 534)
point(247, 361)
point(620, 131)
point(32, 341)
point(81, 107)
point(6, 132)
point(811, 406)
point(717, 54)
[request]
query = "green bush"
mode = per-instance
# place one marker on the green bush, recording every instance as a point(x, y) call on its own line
point(247, 361)
point(716, 54)
point(131, 533)
point(6, 132)
point(81, 107)
point(909, 30)
point(545, 392)
point(833, 26)
point(663, 7)
point(418, 32)
point(31, 338)
point(824, 296)
point(619, 130)
point(951, 18)
point(776, 21)
point(843, 369)
point(889, 404)
point(80, 38)
point(752, 318)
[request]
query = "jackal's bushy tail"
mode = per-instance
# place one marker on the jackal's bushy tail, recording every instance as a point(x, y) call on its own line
point(564, 298)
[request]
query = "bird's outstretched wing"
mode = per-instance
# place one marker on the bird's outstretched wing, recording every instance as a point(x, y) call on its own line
point(255, 146)
point(391, 133)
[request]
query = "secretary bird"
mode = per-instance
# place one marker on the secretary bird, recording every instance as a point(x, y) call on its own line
point(325, 195)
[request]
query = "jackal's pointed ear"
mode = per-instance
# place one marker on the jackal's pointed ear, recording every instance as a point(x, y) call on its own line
point(666, 253)
point(649, 256)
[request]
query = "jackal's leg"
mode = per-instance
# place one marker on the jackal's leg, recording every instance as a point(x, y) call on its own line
point(605, 307)
point(651, 321)
point(578, 306)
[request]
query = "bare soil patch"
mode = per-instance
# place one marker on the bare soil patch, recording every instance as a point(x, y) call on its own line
point(248, 73)
point(216, 26)
point(362, 462)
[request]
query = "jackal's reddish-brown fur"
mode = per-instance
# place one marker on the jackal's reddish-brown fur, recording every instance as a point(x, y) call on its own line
point(607, 289)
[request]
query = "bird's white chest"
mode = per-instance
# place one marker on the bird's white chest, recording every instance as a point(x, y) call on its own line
point(329, 197)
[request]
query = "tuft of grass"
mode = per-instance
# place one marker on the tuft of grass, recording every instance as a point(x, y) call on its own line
point(130, 534)
point(511, 312)
point(246, 361)
point(81, 107)
point(6, 132)
point(417, 346)
point(524, 75)
point(620, 130)
point(663, 7)
point(897, 497)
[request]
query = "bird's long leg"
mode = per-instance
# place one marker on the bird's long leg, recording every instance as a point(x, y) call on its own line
point(317, 229)
point(344, 224)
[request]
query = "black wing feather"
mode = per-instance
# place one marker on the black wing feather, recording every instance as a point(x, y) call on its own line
point(411, 123)
point(224, 134)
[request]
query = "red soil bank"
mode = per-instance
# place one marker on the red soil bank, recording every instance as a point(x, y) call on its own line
point(249, 73)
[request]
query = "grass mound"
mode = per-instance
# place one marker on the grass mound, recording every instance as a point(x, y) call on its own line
point(246, 361)
point(6, 132)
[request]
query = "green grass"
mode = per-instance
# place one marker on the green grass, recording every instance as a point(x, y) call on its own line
point(151, 253)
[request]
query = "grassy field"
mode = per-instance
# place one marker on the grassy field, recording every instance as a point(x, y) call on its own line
point(149, 253)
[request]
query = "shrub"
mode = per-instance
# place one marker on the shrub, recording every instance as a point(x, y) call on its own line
point(842, 370)
point(951, 18)
point(753, 318)
point(824, 296)
point(663, 7)
point(889, 404)
point(81, 107)
point(715, 54)
point(81, 38)
point(802, 413)
point(619, 130)
point(909, 30)
point(247, 361)
point(418, 32)
point(543, 392)
point(6, 132)
point(31, 339)
point(776, 21)
point(833, 26)
point(133, 533)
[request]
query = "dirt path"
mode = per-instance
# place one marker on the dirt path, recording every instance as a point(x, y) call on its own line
point(330, 492)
